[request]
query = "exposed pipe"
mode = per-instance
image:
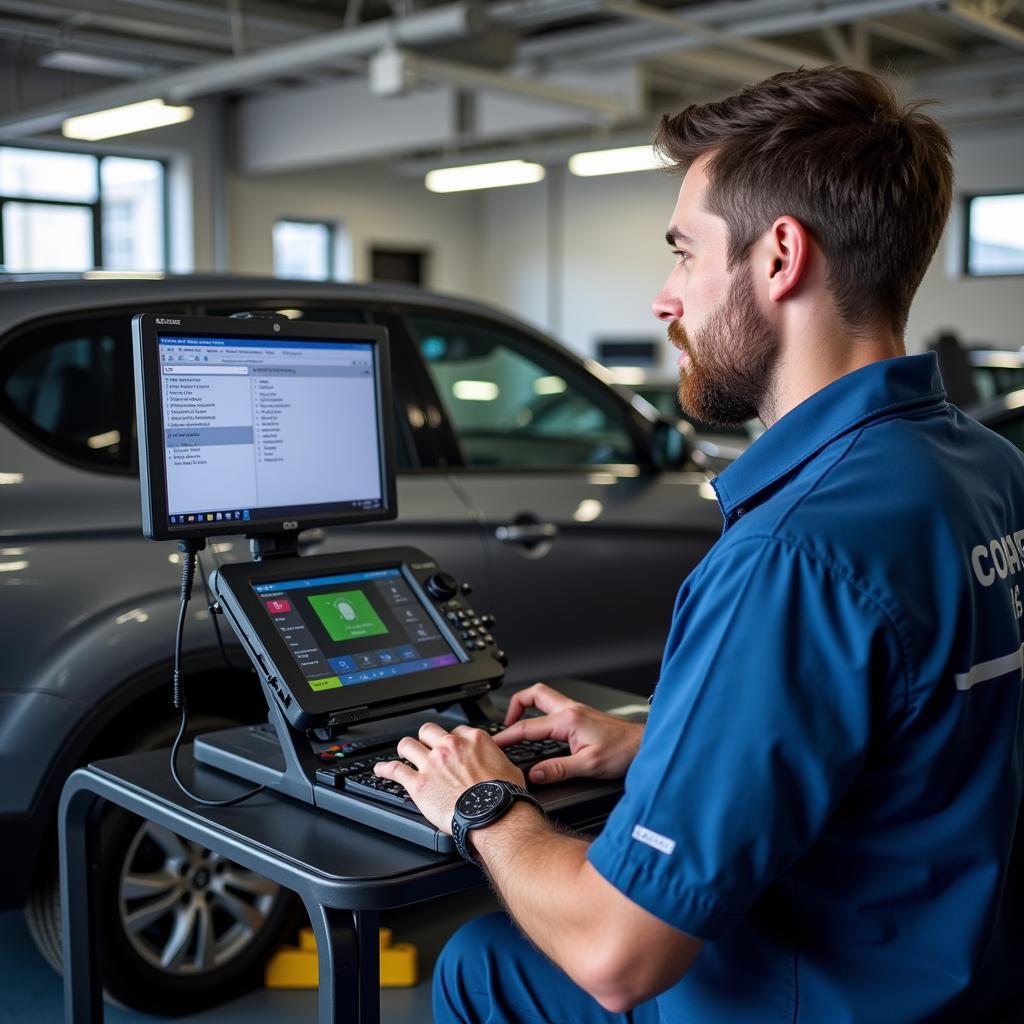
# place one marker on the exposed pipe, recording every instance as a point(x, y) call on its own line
point(453, 21)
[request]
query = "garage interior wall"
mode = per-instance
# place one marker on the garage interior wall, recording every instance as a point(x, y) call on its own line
point(584, 257)
point(374, 206)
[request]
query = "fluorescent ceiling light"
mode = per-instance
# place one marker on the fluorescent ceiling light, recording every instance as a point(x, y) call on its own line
point(136, 117)
point(614, 161)
point(497, 175)
point(549, 385)
point(475, 390)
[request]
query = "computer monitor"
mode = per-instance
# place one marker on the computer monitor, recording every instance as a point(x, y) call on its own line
point(261, 426)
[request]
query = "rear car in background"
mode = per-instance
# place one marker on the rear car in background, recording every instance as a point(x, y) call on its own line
point(713, 447)
point(573, 512)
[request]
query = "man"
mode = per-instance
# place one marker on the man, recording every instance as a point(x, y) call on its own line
point(819, 816)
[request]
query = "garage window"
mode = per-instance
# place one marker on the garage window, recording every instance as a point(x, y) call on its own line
point(513, 406)
point(78, 211)
point(303, 250)
point(995, 235)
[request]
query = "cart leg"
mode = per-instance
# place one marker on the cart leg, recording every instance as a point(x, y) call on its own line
point(348, 950)
point(79, 876)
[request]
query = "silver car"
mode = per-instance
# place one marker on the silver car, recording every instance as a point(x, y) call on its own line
point(574, 514)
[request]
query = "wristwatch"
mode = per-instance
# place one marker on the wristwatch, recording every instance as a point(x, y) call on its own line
point(482, 805)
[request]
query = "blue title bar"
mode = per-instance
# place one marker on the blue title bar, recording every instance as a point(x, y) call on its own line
point(256, 343)
point(325, 581)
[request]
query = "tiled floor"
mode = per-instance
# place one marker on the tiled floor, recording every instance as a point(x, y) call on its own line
point(31, 993)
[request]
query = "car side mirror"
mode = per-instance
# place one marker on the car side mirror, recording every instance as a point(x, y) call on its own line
point(672, 443)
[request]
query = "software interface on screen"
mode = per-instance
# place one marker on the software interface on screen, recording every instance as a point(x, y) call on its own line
point(267, 429)
point(357, 627)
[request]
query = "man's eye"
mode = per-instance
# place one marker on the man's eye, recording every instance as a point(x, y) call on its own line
point(681, 256)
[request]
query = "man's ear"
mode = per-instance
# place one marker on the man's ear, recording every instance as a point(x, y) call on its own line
point(784, 256)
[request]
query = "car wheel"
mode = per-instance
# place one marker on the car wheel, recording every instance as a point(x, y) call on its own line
point(181, 928)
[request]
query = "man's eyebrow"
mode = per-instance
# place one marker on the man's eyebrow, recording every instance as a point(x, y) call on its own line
point(674, 236)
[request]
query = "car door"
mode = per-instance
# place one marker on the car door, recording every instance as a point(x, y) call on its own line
point(586, 544)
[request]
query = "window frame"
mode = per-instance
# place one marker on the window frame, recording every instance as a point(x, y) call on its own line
point(96, 207)
point(331, 227)
point(965, 250)
point(635, 425)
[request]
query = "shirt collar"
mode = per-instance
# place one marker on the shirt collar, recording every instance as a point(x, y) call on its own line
point(875, 391)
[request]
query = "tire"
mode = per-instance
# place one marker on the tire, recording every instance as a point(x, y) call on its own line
point(181, 929)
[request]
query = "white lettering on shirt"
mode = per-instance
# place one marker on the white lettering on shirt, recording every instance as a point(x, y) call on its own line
point(998, 557)
point(1012, 558)
point(660, 843)
point(986, 577)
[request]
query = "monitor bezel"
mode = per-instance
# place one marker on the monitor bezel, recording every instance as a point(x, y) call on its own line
point(240, 578)
point(147, 328)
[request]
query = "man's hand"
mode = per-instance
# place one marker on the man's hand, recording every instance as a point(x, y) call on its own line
point(447, 764)
point(601, 747)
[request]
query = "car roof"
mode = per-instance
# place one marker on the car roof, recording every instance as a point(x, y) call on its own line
point(28, 296)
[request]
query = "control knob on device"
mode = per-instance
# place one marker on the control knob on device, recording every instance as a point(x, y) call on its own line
point(442, 586)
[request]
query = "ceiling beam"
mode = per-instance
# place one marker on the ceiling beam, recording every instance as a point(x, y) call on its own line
point(784, 55)
point(414, 69)
point(751, 20)
point(452, 21)
point(985, 24)
point(912, 38)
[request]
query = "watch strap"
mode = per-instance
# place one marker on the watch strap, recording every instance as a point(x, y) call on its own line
point(461, 830)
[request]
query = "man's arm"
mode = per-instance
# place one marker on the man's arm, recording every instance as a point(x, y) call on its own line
point(612, 948)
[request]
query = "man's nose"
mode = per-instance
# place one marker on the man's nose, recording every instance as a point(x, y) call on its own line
point(667, 306)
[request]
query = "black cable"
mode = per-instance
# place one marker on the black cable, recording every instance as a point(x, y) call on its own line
point(189, 549)
point(214, 615)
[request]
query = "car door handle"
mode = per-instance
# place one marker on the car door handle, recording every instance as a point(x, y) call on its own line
point(526, 534)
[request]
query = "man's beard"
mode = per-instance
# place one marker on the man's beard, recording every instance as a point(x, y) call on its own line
point(733, 356)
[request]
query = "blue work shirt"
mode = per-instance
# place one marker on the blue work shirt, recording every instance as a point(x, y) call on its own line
point(830, 778)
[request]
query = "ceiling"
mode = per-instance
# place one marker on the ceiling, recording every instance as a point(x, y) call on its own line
point(510, 73)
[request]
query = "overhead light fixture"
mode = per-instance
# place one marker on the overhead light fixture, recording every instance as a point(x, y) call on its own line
point(496, 175)
point(476, 390)
point(614, 161)
point(135, 117)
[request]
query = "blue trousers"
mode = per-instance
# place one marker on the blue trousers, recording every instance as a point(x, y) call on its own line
point(489, 974)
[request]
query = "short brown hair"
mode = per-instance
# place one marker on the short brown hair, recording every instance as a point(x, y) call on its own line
point(834, 147)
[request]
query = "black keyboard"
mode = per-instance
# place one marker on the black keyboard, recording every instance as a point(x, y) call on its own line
point(350, 767)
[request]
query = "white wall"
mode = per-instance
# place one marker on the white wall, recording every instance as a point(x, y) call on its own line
point(584, 257)
point(615, 258)
point(374, 206)
point(987, 311)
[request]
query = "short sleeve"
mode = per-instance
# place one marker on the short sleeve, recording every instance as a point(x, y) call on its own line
point(760, 722)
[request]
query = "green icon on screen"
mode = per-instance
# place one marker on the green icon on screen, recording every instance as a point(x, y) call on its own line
point(347, 615)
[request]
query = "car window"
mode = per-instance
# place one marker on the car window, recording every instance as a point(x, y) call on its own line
point(516, 406)
point(70, 387)
point(992, 381)
point(1012, 430)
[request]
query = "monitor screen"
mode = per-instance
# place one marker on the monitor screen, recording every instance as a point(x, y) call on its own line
point(356, 627)
point(247, 433)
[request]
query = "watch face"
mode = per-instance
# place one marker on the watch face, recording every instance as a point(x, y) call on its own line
point(480, 800)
